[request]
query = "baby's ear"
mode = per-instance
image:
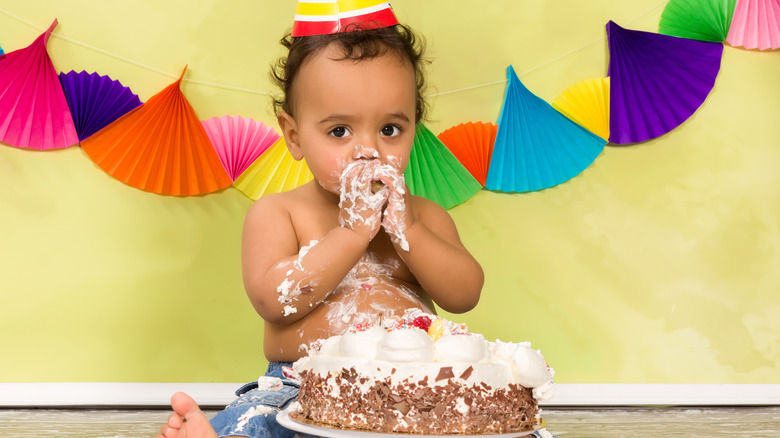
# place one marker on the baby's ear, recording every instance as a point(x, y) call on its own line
point(290, 132)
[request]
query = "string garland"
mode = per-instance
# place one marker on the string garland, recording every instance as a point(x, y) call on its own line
point(537, 145)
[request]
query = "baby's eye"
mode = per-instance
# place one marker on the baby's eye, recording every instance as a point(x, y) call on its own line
point(339, 131)
point(390, 130)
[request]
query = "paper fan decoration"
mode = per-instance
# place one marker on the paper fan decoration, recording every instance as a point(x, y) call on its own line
point(703, 20)
point(587, 104)
point(656, 81)
point(95, 101)
point(160, 147)
point(33, 110)
point(755, 25)
point(238, 141)
point(536, 146)
point(434, 173)
point(472, 144)
point(273, 172)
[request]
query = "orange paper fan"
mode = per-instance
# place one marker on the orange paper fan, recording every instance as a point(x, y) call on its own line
point(587, 104)
point(472, 144)
point(274, 171)
point(160, 147)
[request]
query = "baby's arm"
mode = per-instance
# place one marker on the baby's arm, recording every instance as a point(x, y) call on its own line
point(283, 284)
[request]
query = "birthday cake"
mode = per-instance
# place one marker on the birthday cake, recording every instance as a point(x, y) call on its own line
point(421, 374)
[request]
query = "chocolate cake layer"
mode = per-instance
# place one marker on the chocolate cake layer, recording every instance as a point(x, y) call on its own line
point(346, 399)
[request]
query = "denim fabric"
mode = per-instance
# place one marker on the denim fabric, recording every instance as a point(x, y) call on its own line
point(253, 413)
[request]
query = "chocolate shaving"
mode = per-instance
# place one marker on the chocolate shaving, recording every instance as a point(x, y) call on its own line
point(445, 373)
point(467, 373)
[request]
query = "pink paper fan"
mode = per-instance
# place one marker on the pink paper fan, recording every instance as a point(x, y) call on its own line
point(238, 141)
point(755, 25)
point(33, 110)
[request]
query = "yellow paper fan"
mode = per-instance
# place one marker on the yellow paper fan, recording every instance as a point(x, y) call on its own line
point(587, 104)
point(272, 172)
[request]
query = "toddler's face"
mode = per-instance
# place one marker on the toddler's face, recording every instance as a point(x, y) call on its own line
point(346, 110)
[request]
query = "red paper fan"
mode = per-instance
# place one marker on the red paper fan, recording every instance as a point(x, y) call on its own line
point(160, 147)
point(238, 141)
point(472, 144)
point(33, 109)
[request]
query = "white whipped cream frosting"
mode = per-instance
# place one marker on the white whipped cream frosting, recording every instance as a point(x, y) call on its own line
point(412, 345)
point(461, 348)
point(410, 353)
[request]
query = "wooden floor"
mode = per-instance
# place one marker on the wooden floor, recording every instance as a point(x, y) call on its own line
point(754, 422)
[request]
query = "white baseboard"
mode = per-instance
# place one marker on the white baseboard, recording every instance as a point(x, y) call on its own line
point(220, 394)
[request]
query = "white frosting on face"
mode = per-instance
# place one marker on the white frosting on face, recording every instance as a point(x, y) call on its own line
point(362, 344)
point(412, 345)
point(461, 348)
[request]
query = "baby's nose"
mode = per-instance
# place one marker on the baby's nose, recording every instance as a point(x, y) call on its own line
point(364, 153)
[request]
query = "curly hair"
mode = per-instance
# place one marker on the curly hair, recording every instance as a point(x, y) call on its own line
point(358, 42)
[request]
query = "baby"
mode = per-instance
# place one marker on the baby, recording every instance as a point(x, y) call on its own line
point(353, 245)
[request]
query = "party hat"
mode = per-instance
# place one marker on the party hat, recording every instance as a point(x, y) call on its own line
point(587, 104)
point(160, 147)
point(472, 144)
point(33, 109)
point(434, 173)
point(536, 146)
point(656, 81)
point(238, 141)
point(755, 25)
point(95, 101)
point(322, 17)
point(703, 20)
point(272, 172)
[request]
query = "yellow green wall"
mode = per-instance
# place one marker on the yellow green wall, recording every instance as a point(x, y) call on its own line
point(659, 263)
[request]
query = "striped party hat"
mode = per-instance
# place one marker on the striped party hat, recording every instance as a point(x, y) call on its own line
point(322, 17)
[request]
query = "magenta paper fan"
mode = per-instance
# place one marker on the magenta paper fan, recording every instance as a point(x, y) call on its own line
point(33, 110)
point(238, 141)
point(95, 101)
point(755, 25)
point(656, 81)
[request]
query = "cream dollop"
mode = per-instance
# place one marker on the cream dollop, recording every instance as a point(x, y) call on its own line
point(529, 366)
point(461, 348)
point(412, 345)
point(330, 346)
point(361, 344)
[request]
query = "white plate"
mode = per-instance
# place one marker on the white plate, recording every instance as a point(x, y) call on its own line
point(285, 420)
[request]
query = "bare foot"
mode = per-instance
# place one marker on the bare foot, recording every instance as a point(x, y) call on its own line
point(188, 420)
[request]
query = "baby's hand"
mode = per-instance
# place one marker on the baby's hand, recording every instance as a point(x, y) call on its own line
point(397, 215)
point(361, 208)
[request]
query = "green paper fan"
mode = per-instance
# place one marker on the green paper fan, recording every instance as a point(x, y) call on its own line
point(434, 173)
point(703, 20)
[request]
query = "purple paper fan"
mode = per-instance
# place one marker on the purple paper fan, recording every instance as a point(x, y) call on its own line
point(657, 81)
point(95, 101)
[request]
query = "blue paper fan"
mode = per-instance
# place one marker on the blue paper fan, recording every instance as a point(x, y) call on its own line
point(536, 146)
point(95, 101)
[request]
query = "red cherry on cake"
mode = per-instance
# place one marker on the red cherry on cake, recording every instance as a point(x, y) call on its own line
point(421, 322)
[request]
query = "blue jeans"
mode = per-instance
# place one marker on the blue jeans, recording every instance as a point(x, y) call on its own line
point(253, 413)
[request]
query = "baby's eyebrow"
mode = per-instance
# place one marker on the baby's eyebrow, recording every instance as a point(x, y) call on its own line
point(334, 118)
point(401, 116)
